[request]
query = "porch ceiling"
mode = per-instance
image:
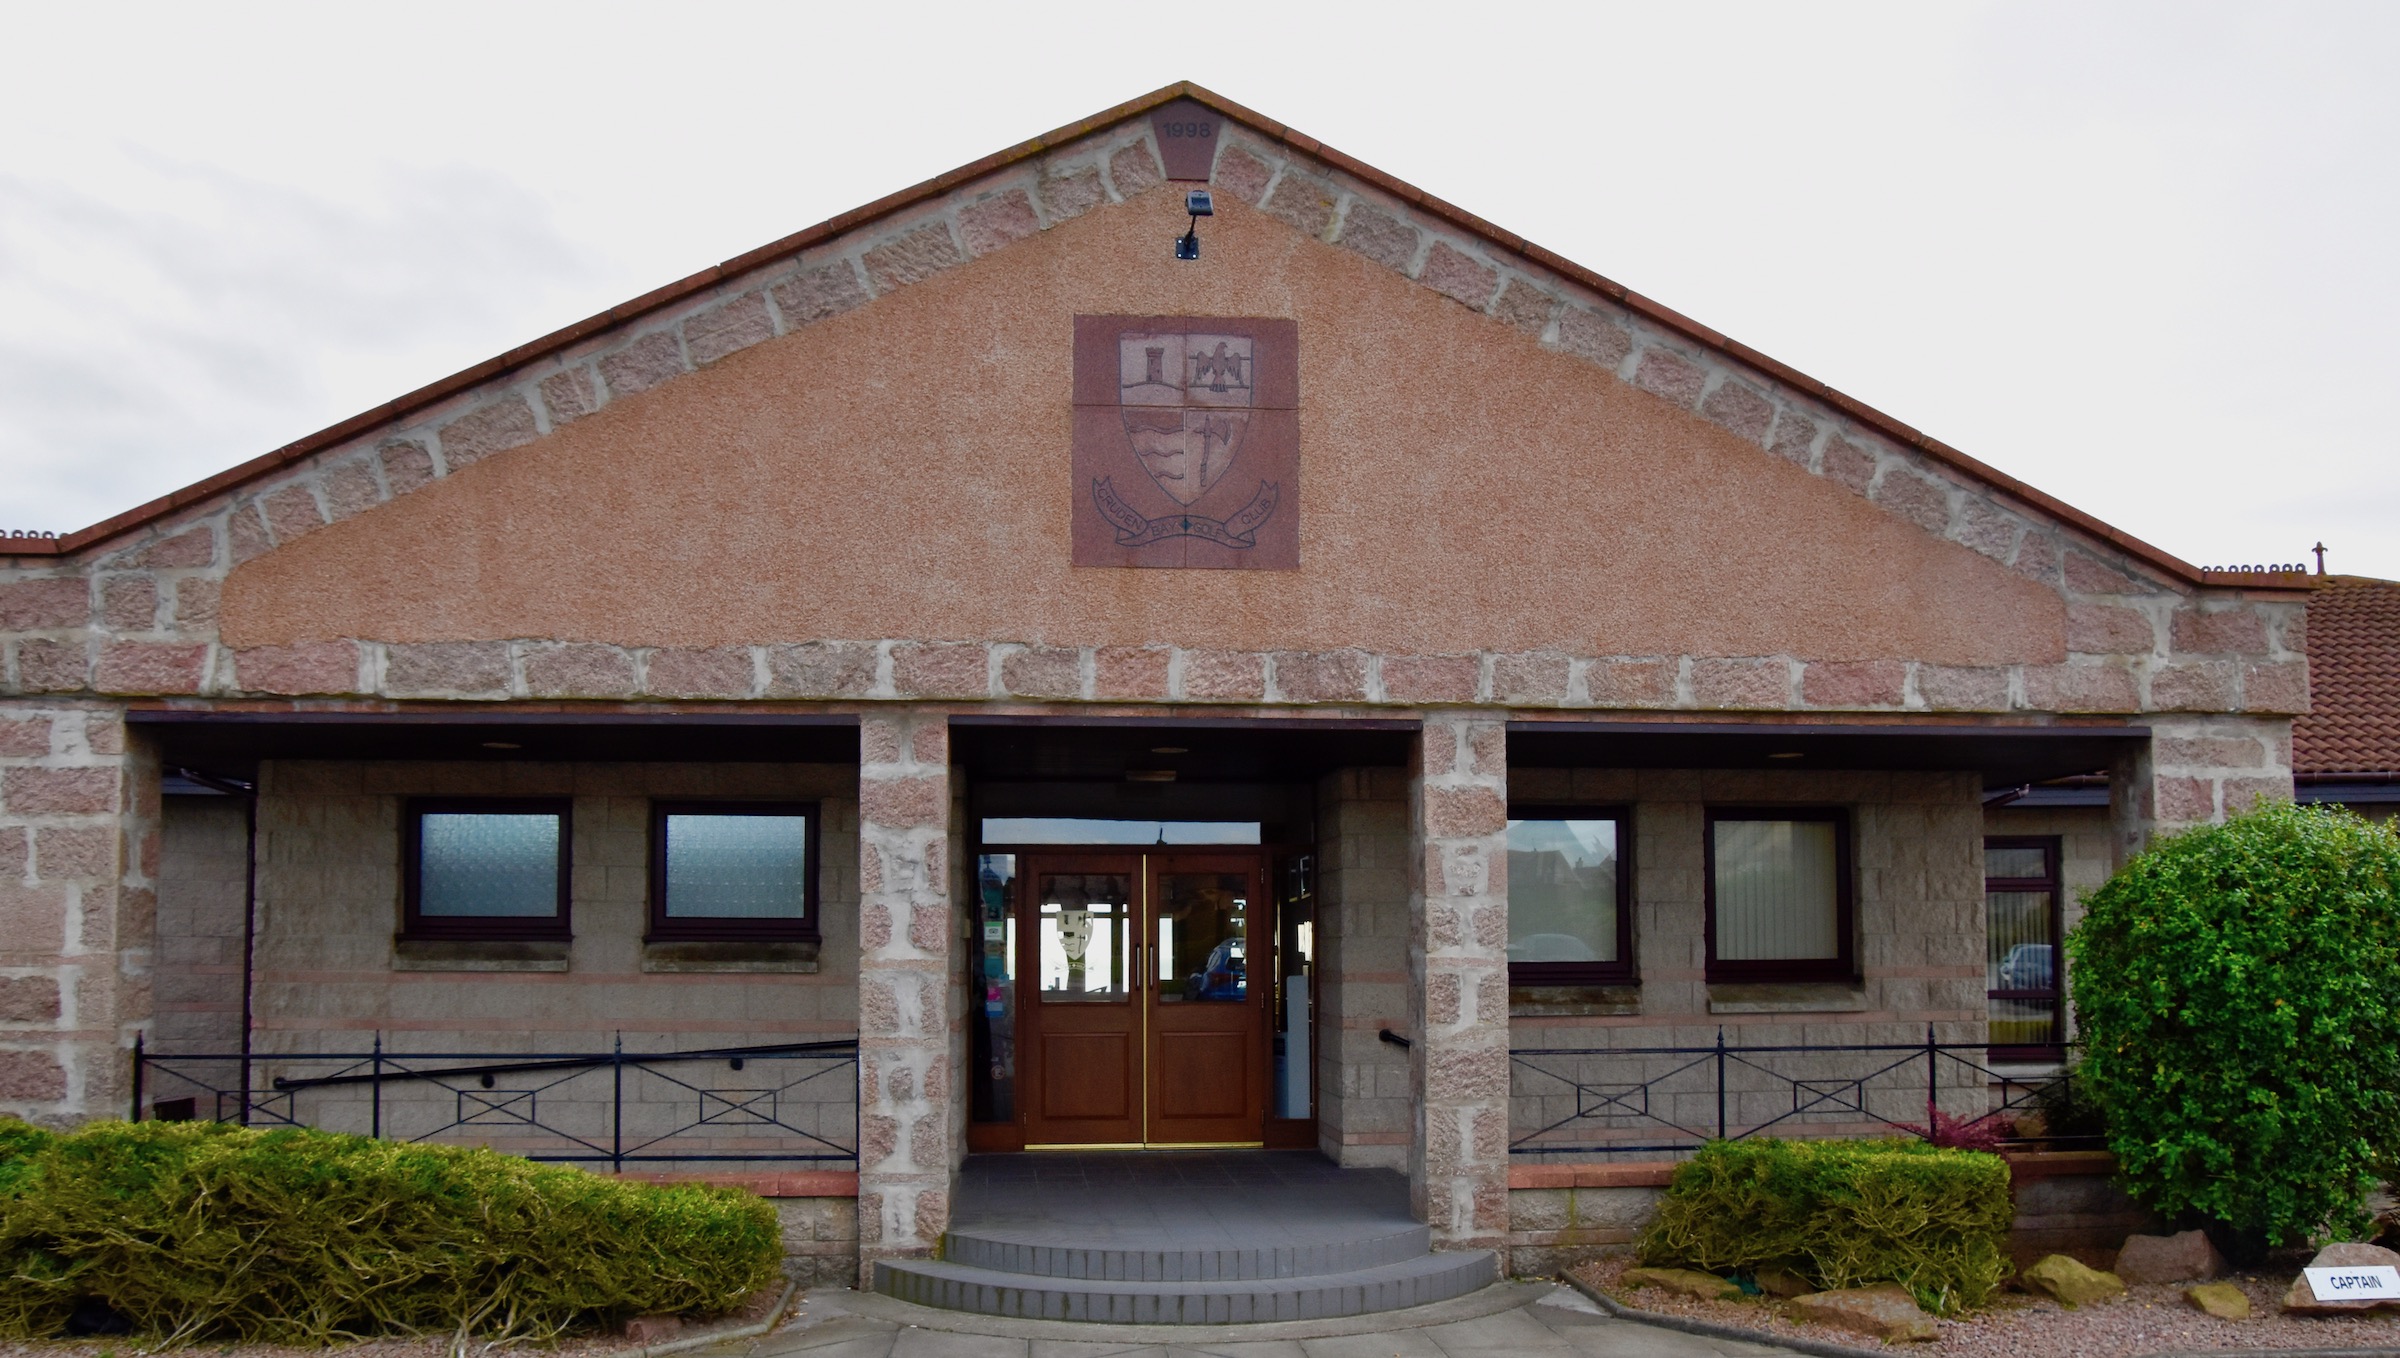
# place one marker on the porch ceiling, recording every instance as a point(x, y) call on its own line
point(2006, 756)
point(1195, 750)
point(231, 744)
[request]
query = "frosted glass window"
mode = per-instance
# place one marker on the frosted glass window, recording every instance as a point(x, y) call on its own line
point(487, 865)
point(1562, 890)
point(1777, 891)
point(737, 867)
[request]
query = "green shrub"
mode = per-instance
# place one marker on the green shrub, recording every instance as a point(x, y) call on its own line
point(202, 1231)
point(2238, 988)
point(1841, 1214)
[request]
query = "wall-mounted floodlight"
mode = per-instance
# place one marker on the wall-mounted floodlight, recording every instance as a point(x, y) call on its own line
point(1199, 204)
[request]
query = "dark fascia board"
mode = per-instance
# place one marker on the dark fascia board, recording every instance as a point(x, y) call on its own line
point(480, 715)
point(2007, 756)
point(1259, 723)
point(2318, 792)
point(232, 743)
point(2041, 502)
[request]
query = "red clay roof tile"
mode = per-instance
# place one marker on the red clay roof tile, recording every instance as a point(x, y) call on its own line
point(2353, 677)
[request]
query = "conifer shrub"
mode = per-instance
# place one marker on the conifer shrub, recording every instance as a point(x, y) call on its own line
point(2238, 990)
point(195, 1231)
point(1841, 1214)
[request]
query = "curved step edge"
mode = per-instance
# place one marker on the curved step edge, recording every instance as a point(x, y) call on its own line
point(1389, 1287)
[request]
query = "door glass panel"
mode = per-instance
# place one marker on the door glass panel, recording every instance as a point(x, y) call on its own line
point(993, 974)
point(2024, 1023)
point(1203, 927)
point(2019, 951)
point(1086, 923)
point(2016, 861)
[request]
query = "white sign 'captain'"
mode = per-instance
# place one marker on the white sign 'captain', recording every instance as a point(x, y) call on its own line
point(2369, 1282)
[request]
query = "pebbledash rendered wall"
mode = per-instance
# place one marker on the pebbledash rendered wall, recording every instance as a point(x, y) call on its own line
point(1471, 408)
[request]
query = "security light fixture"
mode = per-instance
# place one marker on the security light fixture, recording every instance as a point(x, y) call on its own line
point(1198, 204)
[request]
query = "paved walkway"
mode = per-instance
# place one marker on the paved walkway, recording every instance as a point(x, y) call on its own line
point(1509, 1320)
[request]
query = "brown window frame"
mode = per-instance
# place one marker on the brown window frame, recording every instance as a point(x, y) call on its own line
point(1623, 971)
point(665, 928)
point(414, 924)
point(1843, 966)
point(2054, 882)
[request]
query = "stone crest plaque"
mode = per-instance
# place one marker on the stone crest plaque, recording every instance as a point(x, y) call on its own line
point(1187, 442)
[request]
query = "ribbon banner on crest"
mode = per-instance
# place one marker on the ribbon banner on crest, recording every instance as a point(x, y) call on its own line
point(1238, 529)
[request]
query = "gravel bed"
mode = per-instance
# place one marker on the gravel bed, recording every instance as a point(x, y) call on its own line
point(424, 1346)
point(2148, 1319)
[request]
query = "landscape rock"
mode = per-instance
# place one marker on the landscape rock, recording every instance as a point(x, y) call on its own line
point(653, 1329)
point(1778, 1282)
point(1690, 1282)
point(2183, 1258)
point(2301, 1299)
point(2222, 1300)
point(2071, 1283)
point(1885, 1311)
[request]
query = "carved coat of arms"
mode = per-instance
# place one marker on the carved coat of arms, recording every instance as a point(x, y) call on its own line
point(1186, 442)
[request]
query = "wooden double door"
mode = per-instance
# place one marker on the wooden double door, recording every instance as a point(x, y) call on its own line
point(1142, 998)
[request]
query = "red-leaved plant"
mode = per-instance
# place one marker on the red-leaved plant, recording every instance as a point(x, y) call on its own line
point(1967, 1134)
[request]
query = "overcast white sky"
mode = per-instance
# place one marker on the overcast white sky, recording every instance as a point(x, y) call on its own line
point(2146, 257)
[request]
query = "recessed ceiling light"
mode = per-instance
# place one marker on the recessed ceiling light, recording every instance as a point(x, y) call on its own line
point(1150, 775)
point(502, 745)
point(1170, 749)
point(1785, 754)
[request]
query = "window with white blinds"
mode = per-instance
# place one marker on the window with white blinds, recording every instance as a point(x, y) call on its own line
point(1778, 894)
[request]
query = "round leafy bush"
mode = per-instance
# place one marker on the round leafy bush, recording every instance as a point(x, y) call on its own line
point(202, 1231)
point(2238, 988)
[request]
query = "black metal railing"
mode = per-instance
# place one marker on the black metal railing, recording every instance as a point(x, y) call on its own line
point(782, 1102)
point(1624, 1100)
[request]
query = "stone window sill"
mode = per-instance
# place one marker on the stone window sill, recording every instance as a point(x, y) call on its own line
point(1573, 1001)
point(1787, 997)
point(479, 954)
point(726, 955)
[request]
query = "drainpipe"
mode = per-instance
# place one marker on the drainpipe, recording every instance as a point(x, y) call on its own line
point(248, 792)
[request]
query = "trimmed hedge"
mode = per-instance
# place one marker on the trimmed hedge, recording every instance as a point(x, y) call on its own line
point(1841, 1214)
point(196, 1231)
point(2238, 988)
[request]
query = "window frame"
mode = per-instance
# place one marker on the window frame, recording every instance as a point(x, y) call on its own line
point(1843, 966)
point(415, 924)
point(664, 928)
point(1625, 970)
point(2053, 849)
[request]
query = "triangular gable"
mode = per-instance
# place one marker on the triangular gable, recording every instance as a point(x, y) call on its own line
point(2113, 587)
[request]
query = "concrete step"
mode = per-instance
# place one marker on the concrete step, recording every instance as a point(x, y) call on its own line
point(1041, 1255)
point(1418, 1281)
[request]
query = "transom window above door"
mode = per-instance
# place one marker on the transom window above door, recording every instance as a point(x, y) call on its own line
point(1569, 896)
